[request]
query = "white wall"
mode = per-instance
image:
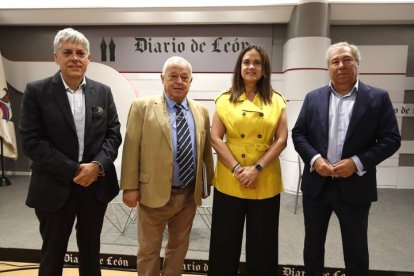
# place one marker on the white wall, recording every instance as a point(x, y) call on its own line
point(385, 72)
point(382, 66)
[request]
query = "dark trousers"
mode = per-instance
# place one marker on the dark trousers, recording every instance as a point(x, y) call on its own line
point(55, 229)
point(353, 221)
point(262, 226)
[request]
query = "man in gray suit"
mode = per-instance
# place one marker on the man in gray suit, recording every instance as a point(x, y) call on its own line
point(70, 130)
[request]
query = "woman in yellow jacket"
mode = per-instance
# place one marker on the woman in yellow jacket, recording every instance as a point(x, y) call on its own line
point(249, 132)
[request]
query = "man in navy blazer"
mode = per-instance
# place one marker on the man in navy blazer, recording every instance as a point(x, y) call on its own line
point(70, 130)
point(344, 130)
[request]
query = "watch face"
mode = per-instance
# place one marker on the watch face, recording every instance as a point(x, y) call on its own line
point(259, 167)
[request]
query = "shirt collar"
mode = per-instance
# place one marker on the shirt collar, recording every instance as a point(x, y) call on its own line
point(353, 90)
point(243, 97)
point(171, 103)
point(67, 88)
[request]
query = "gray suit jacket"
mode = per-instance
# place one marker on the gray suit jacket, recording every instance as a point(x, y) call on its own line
point(49, 139)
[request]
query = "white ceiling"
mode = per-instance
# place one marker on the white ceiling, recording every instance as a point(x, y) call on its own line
point(159, 12)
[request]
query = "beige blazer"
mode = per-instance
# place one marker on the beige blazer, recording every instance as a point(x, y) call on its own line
point(147, 159)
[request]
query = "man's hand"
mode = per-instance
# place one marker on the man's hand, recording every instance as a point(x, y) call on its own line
point(323, 167)
point(345, 168)
point(87, 174)
point(131, 198)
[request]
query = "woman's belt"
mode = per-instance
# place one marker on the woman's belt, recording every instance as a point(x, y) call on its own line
point(260, 147)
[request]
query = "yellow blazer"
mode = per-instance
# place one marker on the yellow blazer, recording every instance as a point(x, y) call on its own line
point(147, 159)
point(250, 129)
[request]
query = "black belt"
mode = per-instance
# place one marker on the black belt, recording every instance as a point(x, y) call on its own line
point(332, 179)
point(183, 188)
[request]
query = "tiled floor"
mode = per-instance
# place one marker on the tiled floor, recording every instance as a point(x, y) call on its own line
point(391, 224)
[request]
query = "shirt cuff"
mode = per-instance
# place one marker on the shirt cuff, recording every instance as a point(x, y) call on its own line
point(313, 161)
point(358, 164)
point(101, 172)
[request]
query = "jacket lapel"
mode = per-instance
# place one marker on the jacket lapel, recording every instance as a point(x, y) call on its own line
point(361, 102)
point(251, 106)
point(197, 122)
point(160, 110)
point(89, 94)
point(325, 95)
point(61, 98)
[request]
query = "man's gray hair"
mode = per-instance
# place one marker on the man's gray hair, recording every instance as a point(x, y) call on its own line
point(71, 35)
point(354, 50)
point(176, 60)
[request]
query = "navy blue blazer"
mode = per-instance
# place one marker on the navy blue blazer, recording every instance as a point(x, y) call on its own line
point(49, 139)
point(372, 135)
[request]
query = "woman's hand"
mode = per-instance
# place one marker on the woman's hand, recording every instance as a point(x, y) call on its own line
point(247, 176)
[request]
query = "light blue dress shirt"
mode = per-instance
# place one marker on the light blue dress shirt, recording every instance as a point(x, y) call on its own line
point(190, 121)
point(77, 105)
point(340, 112)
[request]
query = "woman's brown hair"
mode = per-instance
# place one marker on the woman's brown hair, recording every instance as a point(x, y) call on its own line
point(263, 85)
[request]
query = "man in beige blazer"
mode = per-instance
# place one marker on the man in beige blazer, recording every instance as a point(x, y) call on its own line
point(151, 174)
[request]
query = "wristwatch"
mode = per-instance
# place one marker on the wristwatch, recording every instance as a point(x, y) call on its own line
point(258, 167)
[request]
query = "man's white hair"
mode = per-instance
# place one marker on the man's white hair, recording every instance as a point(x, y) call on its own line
point(176, 60)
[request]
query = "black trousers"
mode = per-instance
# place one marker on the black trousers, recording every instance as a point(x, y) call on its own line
point(353, 221)
point(262, 226)
point(55, 229)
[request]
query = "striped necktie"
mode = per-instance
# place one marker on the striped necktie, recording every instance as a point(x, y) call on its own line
point(184, 147)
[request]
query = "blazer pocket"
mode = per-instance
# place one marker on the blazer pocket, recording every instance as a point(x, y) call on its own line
point(144, 178)
point(98, 111)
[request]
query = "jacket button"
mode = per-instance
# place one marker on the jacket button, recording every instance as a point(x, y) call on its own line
point(259, 136)
point(243, 155)
point(242, 135)
point(261, 114)
point(244, 113)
